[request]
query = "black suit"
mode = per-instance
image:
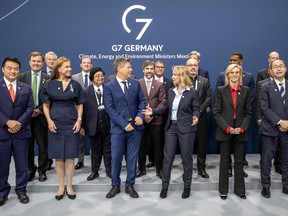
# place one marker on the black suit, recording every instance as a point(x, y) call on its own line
point(263, 74)
point(224, 117)
point(203, 88)
point(273, 111)
point(39, 126)
point(96, 125)
point(182, 132)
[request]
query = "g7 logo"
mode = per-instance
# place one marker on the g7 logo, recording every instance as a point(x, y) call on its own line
point(147, 21)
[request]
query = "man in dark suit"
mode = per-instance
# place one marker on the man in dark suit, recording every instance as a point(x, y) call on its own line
point(203, 88)
point(159, 76)
point(37, 79)
point(83, 79)
point(201, 71)
point(50, 59)
point(111, 77)
point(155, 95)
point(96, 124)
point(15, 113)
point(247, 80)
point(274, 125)
point(124, 101)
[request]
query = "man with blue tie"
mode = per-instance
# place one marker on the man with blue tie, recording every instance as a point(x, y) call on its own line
point(15, 113)
point(274, 125)
point(124, 101)
point(83, 79)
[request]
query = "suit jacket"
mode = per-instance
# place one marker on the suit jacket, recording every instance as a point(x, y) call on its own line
point(111, 77)
point(257, 106)
point(204, 93)
point(168, 83)
point(203, 73)
point(247, 79)
point(188, 107)
point(78, 77)
point(155, 99)
point(263, 74)
point(224, 112)
point(272, 108)
point(90, 115)
point(119, 108)
point(21, 110)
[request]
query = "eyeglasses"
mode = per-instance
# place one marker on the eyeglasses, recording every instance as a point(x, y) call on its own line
point(192, 65)
point(278, 66)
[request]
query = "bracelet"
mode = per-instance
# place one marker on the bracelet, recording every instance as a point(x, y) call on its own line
point(79, 119)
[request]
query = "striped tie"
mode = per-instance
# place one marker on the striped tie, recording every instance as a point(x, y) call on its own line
point(282, 92)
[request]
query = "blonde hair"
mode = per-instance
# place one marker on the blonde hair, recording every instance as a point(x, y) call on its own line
point(183, 73)
point(229, 70)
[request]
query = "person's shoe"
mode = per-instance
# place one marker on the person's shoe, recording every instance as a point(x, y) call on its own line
point(3, 200)
point(31, 174)
point(150, 164)
point(93, 176)
point(42, 176)
point(59, 197)
point(131, 191)
point(79, 165)
point(285, 190)
point(24, 199)
point(140, 173)
point(112, 193)
point(245, 162)
point(163, 193)
point(265, 192)
point(159, 174)
point(186, 193)
point(230, 172)
point(109, 175)
point(71, 196)
point(203, 173)
point(223, 196)
point(278, 170)
point(50, 162)
point(243, 196)
point(245, 174)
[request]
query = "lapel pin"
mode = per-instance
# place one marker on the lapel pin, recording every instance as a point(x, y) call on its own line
point(3, 85)
point(58, 88)
point(238, 93)
point(275, 90)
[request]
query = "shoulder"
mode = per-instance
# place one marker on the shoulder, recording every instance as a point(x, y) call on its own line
point(75, 76)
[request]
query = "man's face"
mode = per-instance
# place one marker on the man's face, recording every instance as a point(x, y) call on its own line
point(278, 70)
point(159, 69)
point(194, 56)
point(125, 71)
point(10, 70)
point(149, 71)
point(234, 59)
point(98, 78)
point(273, 56)
point(36, 63)
point(86, 65)
point(50, 60)
point(192, 65)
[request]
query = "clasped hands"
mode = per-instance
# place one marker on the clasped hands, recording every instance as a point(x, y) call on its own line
point(283, 127)
point(13, 126)
point(235, 130)
point(137, 121)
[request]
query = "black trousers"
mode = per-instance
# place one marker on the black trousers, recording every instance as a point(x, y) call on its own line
point(101, 146)
point(40, 135)
point(157, 143)
point(201, 139)
point(239, 183)
point(186, 143)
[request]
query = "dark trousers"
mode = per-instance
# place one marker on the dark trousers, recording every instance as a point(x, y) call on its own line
point(100, 146)
point(129, 141)
point(19, 149)
point(157, 143)
point(201, 139)
point(186, 143)
point(40, 135)
point(239, 184)
point(268, 149)
point(81, 150)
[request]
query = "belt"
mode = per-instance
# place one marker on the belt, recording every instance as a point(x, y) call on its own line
point(173, 122)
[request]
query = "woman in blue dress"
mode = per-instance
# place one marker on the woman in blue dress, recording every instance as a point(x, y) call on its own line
point(63, 100)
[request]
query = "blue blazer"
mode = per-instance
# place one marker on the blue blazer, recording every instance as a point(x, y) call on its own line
point(21, 110)
point(119, 108)
point(272, 108)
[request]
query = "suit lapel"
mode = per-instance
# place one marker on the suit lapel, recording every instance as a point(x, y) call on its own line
point(239, 96)
point(5, 90)
point(19, 87)
point(228, 95)
point(43, 79)
point(92, 94)
point(143, 86)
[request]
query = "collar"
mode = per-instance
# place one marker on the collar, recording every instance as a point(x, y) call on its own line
point(238, 88)
point(8, 82)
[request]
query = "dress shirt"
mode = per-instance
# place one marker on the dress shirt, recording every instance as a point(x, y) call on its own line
point(176, 102)
point(160, 79)
point(96, 90)
point(38, 75)
point(122, 84)
point(13, 83)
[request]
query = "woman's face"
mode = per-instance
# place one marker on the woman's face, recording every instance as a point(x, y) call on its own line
point(234, 75)
point(175, 78)
point(65, 70)
point(98, 78)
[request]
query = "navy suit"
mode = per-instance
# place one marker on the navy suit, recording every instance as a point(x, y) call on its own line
point(16, 144)
point(120, 110)
point(273, 111)
point(203, 73)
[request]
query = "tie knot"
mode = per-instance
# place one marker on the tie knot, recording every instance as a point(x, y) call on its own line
point(148, 81)
point(11, 85)
point(124, 82)
point(86, 75)
point(98, 90)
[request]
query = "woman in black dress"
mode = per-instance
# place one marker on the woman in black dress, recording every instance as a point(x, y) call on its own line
point(63, 100)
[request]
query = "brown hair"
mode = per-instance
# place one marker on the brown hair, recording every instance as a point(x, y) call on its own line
point(59, 62)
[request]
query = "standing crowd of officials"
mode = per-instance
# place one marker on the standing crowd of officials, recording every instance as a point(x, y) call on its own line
point(132, 117)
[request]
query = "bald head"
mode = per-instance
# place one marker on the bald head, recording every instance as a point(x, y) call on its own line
point(192, 65)
point(273, 56)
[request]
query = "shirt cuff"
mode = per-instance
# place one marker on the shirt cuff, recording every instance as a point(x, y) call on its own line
point(228, 130)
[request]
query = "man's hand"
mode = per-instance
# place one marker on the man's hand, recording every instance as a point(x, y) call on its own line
point(35, 113)
point(194, 120)
point(129, 127)
point(138, 120)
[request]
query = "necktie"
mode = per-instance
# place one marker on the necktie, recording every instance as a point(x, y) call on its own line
point(125, 88)
point(34, 88)
point(148, 86)
point(282, 92)
point(98, 93)
point(86, 81)
point(159, 79)
point(11, 91)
